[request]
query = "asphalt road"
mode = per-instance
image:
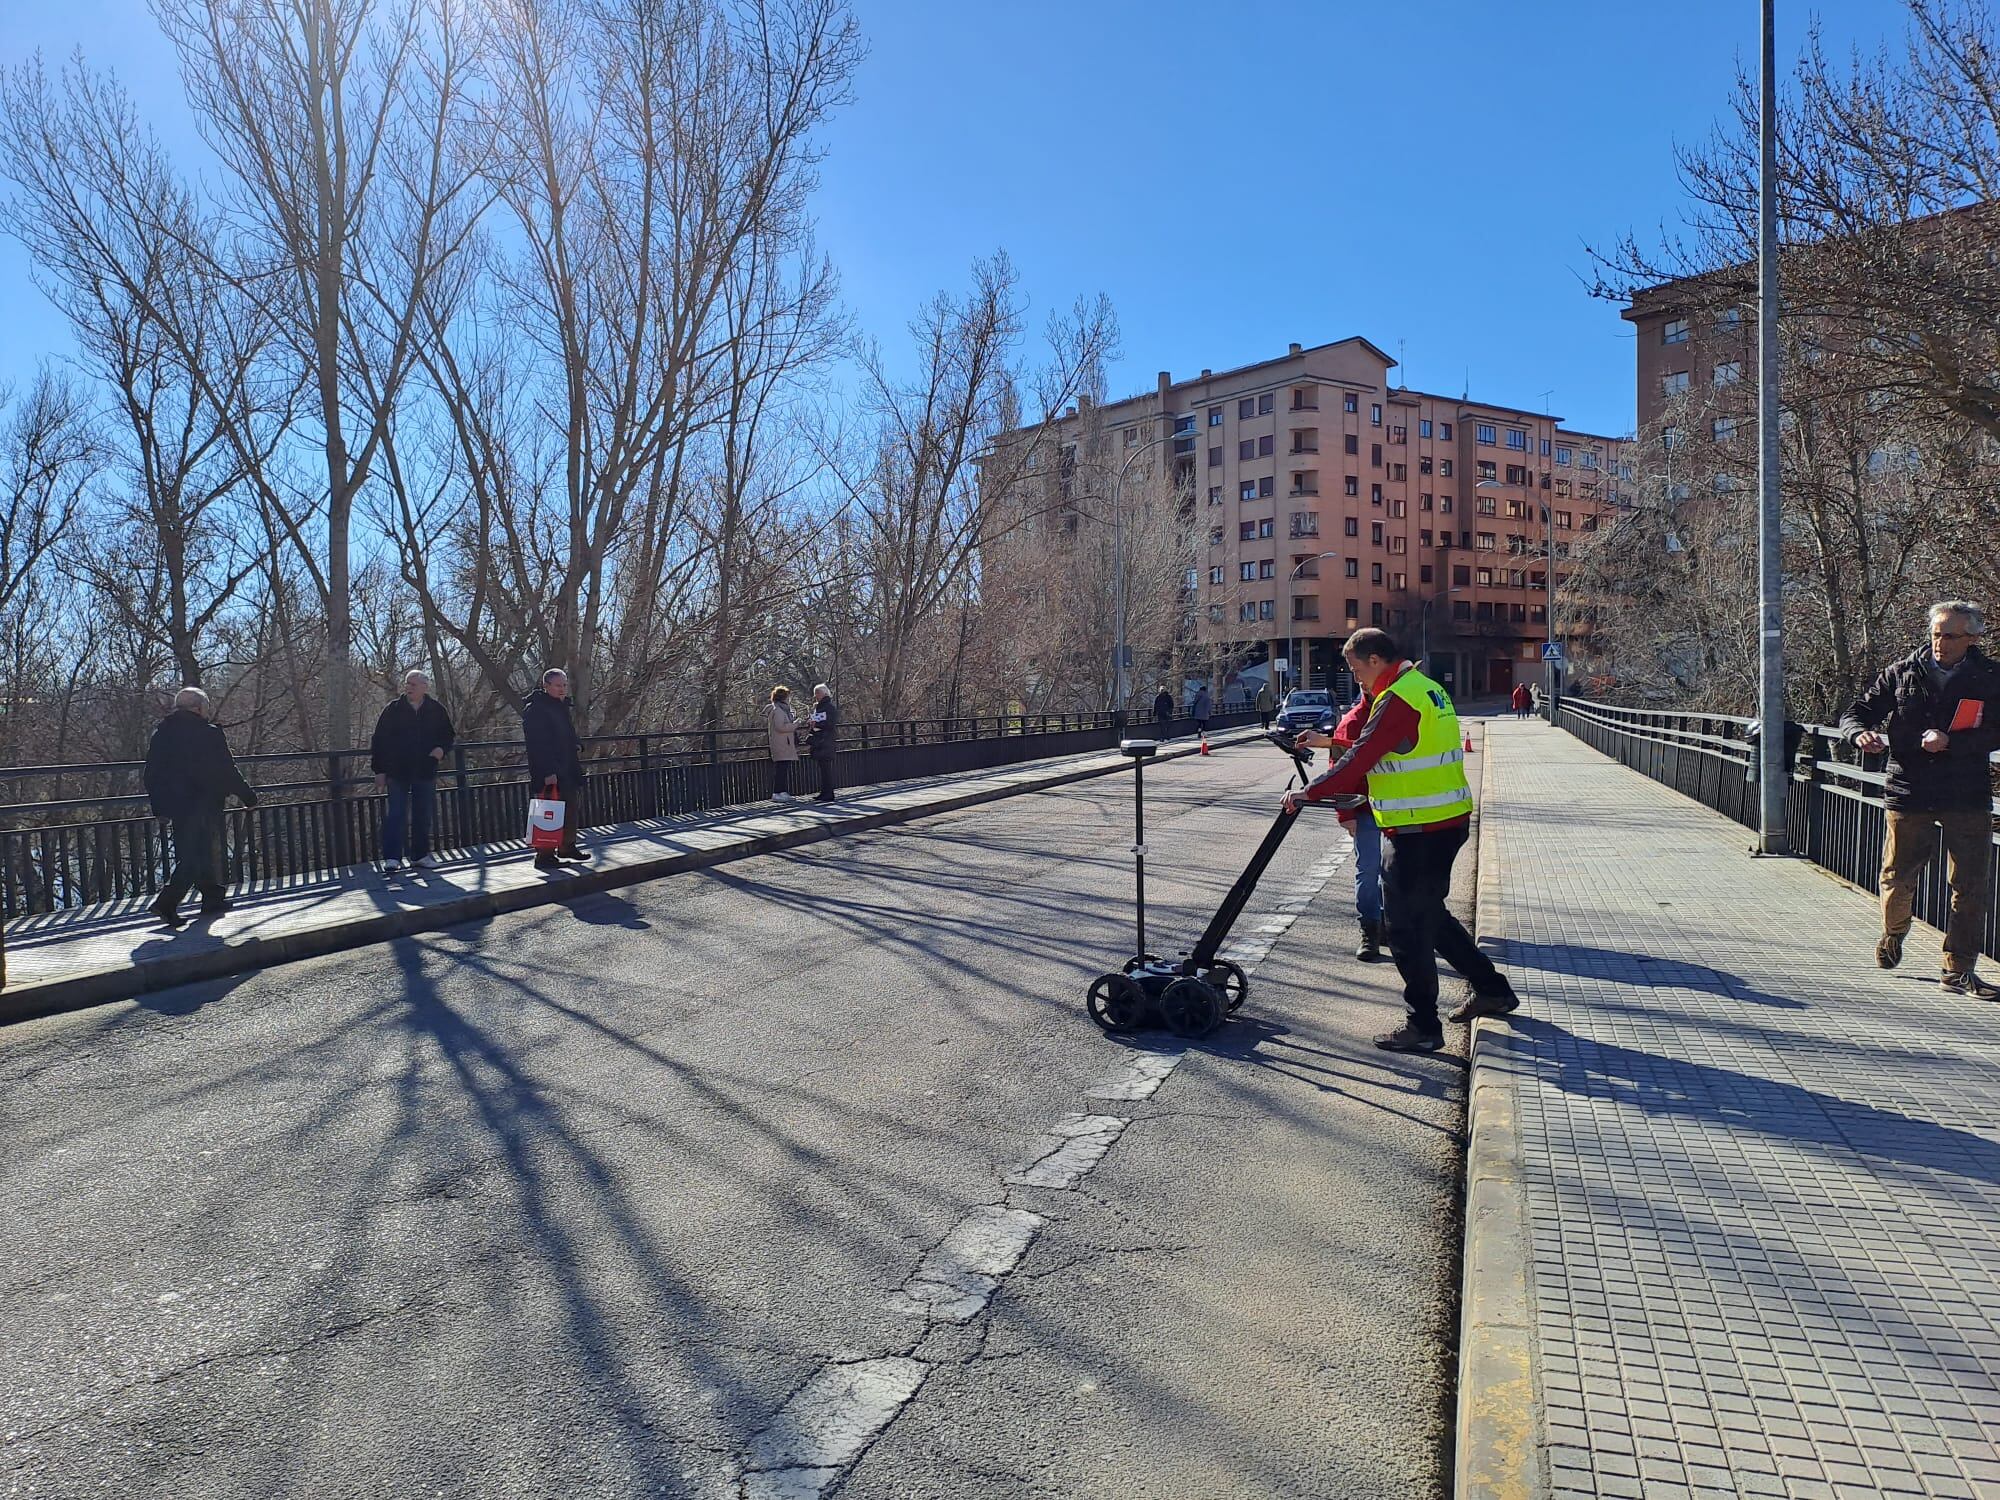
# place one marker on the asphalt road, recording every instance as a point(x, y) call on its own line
point(654, 1194)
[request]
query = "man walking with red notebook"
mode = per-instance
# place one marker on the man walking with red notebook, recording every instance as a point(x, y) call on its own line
point(1937, 714)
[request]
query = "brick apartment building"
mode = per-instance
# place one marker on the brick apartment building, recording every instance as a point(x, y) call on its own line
point(1431, 506)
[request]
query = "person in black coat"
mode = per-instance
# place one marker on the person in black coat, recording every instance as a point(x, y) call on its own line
point(1163, 707)
point(190, 774)
point(1937, 714)
point(824, 744)
point(555, 759)
point(410, 740)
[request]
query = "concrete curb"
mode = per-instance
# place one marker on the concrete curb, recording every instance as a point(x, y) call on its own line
point(1498, 1452)
point(105, 986)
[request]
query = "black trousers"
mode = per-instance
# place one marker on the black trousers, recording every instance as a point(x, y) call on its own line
point(197, 858)
point(781, 776)
point(1416, 879)
point(825, 764)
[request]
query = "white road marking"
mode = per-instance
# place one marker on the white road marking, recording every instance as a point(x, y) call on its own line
point(829, 1420)
point(1077, 1144)
point(958, 1275)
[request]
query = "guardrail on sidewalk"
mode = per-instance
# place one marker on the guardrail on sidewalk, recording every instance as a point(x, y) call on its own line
point(91, 837)
point(1834, 807)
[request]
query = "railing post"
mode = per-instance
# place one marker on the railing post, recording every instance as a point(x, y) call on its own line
point(343, 842)
point(462, 771)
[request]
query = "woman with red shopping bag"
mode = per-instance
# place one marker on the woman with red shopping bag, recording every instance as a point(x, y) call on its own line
point(555, 768)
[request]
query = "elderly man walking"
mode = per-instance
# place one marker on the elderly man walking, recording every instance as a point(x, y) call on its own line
point(190, 774)
point(555, 759)
point(410, 739)
point(1937, 713)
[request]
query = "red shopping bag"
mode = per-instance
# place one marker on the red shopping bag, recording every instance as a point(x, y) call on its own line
point(545, 822)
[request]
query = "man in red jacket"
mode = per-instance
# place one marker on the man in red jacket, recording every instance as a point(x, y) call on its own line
point(1360, 825)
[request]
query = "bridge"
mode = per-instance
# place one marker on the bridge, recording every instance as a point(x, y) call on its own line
point(772, 1155)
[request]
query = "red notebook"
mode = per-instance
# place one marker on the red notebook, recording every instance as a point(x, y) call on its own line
point(1970, 714)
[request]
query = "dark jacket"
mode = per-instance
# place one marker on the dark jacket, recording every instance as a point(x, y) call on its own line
point(405, 737)
point(1903, 703)
point(548, 726)
point(189, 770)
point(825, 722)
point(1203, 704)
point(1163, 706)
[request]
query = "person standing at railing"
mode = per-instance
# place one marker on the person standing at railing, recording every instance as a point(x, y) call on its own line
point(781, 724)
point(824, 742)
point(555, 759)
point(410, 740)
point(1937, 714)
point(190, 774)
point(1265, 705)
point(1522, 700)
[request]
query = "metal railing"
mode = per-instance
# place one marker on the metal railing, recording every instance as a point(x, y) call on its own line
point(79, 835)
point(1834, 806)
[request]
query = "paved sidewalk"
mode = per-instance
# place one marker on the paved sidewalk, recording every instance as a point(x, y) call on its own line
point(1756, 1181)
point(91, 955)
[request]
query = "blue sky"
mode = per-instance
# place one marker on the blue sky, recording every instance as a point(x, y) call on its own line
point(1235, 175)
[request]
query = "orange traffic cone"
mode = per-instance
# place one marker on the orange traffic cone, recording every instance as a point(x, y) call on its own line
point(1204, 744)
point(1468, 742)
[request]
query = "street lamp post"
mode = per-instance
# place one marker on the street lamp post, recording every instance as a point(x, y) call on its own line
point(1773, 772)
point(1290, 578)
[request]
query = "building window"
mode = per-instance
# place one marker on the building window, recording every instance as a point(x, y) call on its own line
point(1670, 438)
point(1350, 444)
point(1215, 536)
point(1398, 545)
point(1266, 445)
point(1215, 458)
point(1215, 614)
point(1267, 527)
point(1215, 416)
point(1247, 407)
point(1562, 489)
point(1444, 468)
point(1488, 470)
point(1461, 576)
point(1461, 609)
point(1352, 567)
point(1375, 532)
point(1517, 474)
point(1305, 523)
point(1350, 402)
point(1589, 460)
point(1266, 609)
point(1352, 526)
point(1674, 331)
point(1305, 609)
point(1353, 610)
point(1562, 456)
point(1728, 372)
point(1485, 505)
point(1247, 449)
point(1247, 490)
point(1722, 429)
point(1486, 541)
point(1486, 578)
point(1246, 611)
point(1375, 414)
point(1305, 482)
point(1563, 519)
point(1424, 573)
point(1374, 455)
point(1246, 531)
point(1267, 486)
point(1444, 432)
point(1248, 572)
point(1673, 383)
point(1444, 505)
point(1423, 427)
point(1423, 463)
point(1215, 576)
point(1131, 437)
point(1729, 319)
point(1399, 582)
point(1305, 440)
point(1484, 435)
point(1545, 447)
point(1399, 436)
point(1375, 576)
point(1267, 569)
point(1351, 485)
point(1424, 501)
point(1305, 398)
point(1374, 494)
point(1517, 440)
point(1215, 494)
point(1267, 403)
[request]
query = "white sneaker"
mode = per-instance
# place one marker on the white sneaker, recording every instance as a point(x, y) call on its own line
point(424, 862)
point(783, 797)
point(392, 867)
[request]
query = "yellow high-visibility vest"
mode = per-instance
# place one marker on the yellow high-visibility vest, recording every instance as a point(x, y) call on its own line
point(1428, 784)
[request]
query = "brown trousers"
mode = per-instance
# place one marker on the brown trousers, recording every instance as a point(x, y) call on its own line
point(1907, 849)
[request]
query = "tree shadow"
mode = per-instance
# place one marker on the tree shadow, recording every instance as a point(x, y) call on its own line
point(1619, 965)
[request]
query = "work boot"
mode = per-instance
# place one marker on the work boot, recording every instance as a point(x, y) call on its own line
point(1409, 1039)
point(546, 860)
point(214, 906)
point(166, 909)
point(1889, 952)
point(1498, 1002)
point(1969, 985)
point(1370, 951)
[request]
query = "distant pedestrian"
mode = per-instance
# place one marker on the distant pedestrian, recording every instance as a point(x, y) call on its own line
point(1163, 709)
point(1937, 713)
point(190, 774)
point(781, 725)
point(411, 737)
point(1522, 699)
point(1410, 761)
point(555, 760)
point(824, 742)
point(1202, 708)
point(1266, 704)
